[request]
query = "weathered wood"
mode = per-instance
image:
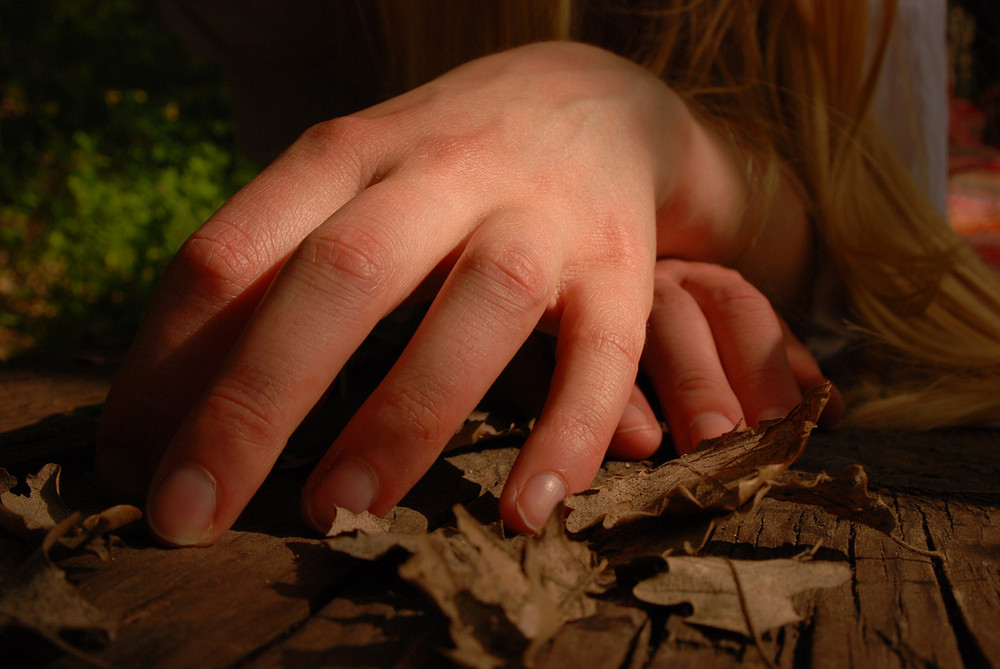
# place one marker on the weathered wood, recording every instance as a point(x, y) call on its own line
point(32, 392)
point(269, 595)
point(608, 640)
point(969, 536)
point(206, 607)
point(378, 623)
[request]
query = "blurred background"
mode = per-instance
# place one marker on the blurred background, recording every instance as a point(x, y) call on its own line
point(115, 144)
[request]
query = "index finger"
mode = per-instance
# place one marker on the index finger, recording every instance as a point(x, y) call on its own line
point(213, 285)
point(344, 277)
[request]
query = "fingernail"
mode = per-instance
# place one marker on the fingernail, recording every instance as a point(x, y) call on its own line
point(538, 497)
point(709, 425)
point(633, 420)
point(774, 413)
point(351, 484)
point(181, 510)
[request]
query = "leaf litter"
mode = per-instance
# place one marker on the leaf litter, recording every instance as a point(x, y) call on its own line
point(505, 597)
point(741, 596)
point(37, 596)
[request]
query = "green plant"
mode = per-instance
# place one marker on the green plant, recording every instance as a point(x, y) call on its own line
point(114, 146)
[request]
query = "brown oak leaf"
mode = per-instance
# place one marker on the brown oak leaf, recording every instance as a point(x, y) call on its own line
point(38, 597)
point(846, 495)
point(720, 476)
point(502, 602)
point(743, 596)
point(32, 515)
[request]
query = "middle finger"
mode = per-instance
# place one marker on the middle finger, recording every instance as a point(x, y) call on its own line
point(486, 309)
point(344, 277)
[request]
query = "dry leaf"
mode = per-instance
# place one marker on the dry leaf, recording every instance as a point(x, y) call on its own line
point(501, 602)
point(846, 496)
point(32, 515)
point(482, 425)
point(38, 597)
point(649, 539)
point(758, 601)
point(721, 475)
point(346, 521)
point(403, 526)
point(565, 569)
point(487, 468)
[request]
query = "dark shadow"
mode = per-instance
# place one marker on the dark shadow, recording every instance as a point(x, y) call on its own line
point(440, 489)
point(745, 551)
point(940, 463)
point(322, 574)
point(374, 619)
point(60, 436)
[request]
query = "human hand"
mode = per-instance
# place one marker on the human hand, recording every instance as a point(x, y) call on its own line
point(525, 185)
point(717, 355)
point(534, 188)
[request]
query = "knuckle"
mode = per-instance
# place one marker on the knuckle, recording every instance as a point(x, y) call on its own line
point(516, 275)
point(583, 429)
point(218, 258)
point(692, 384)
point(338, 141)
point(419, 407)
point(612, 343)
point(362, 259)
point(665, 295)
point(452, 154)
point(740, 293)
point(247, 409)
point(762, 379)
point(617, 240)
point(729, 291)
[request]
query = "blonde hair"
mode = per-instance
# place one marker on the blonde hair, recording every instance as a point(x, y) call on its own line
point(791, 81)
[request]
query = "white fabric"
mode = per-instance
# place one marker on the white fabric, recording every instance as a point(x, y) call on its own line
point(911, 102)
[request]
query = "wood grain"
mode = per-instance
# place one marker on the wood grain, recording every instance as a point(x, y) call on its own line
point(270, 595)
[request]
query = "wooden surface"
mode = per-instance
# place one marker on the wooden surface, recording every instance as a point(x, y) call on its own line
point(269, 594)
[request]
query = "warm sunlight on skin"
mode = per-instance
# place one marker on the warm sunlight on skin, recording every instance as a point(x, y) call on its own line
point(554, 186)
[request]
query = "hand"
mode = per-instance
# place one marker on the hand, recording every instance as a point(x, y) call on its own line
point(717, 356)
point(526, 185)
point(534, 188)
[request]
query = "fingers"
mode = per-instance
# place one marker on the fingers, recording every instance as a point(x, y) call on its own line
point(639, 432)
point(600, 343)
point(808, 375)
point(213, 286)
point(716, 353)
point(329, 294)
point(488, 306)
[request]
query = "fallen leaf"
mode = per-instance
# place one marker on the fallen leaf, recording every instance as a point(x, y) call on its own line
point(846, 496)
point(759, 600)
point(502, 603)
point(483, 425)
point(346, 521)
point(649, 539)
point(32, 515)
point(38, 597)
point(488, 468)
point(721, 475)
point(402, 526)
point(565, 569)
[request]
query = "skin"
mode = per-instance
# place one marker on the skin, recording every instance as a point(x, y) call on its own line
point(554, 187)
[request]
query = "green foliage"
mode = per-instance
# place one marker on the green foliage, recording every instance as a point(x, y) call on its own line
point(114, 147)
